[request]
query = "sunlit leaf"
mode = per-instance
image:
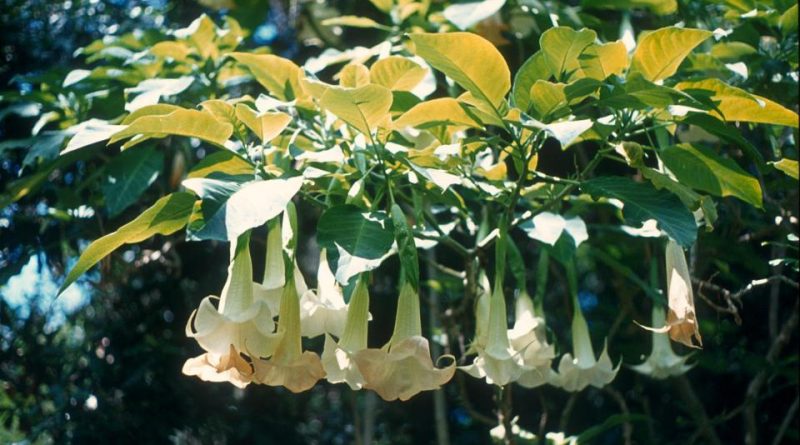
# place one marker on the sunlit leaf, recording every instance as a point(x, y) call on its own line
point(397, 73)
point(354, 75)
point(659, 53)
point(265, 125)
point(600, 61)
point(466, 15)
point(444, 111)
point(561, 47)
point(189, 123)
point(281, 77)
point(787, 166)
point(363, 108)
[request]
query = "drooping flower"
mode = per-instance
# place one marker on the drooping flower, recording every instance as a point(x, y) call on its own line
point(578, 372)
point(239, 320)
point(528, 337)
point(230, 367)
point(271, 286)
point(337, 357)
point(496, 361)
point(681, 318)
point(324, 310)
point(662, 362)
point(289, 366)
point(403, 367)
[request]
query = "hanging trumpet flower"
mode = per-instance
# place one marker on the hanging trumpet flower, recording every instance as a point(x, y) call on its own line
point(403, 367)
point(583, 369)
point(324, 310)
point(271, 286)
point(290, 366)
point(662, 362)
point(681, 318)
point(497, 361)
point(337, 358)
point(240, 323)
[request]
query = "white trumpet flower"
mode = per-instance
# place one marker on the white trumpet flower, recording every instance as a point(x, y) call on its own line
point(323, 311)
point(403, 367)
point(230, 367)
point(578, 372)
point(528, 337)
point(337, 358)
point(662, 362)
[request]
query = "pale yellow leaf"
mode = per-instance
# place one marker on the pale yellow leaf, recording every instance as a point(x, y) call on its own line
point(363, 108)
point(561, 47)
point(397, 73)
point(659, 53)
point(354, 75)
point(600, 61)
point(281, 77)
point(437, 112)
point(266, 125)
point(189, 123)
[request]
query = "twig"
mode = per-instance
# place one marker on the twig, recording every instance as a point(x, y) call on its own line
point(787, 420)
point(463, 399)
point(696, 409)
point(627, 428)
point(753, 389)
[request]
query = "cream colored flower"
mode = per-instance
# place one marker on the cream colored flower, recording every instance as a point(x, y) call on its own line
point(337, 358)
point(271, 286)
point(496, 361)
point(289, 366)
point(681, 319)
point(528, 337)
point(662, 362)
point(240, 320)
point(403, 367)
point(230, 367)
point(323, 311)
point(575, 374)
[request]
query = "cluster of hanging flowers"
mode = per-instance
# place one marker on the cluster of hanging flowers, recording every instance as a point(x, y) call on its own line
point(252, 332)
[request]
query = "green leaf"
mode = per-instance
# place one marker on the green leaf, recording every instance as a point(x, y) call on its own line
point(168, 215)
point(788, 21)
point(659, 53)
point(532, 70)
point(363, 108)
point(229, 210)
point(725, 132)
point(691, 199)
point(561, 47)
point(640, 93)
point(548, 98)
point(354, 22)
point(189, 123)
point(642, 202)
point(128, 175)
point(456, 55)
point(787, 166)
point(702, 169)
point(356, 241)
point(406, 248)
point(736, 104)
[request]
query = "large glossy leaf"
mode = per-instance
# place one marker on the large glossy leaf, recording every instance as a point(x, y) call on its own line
point(281, 77)
point(168, 215)
point(639, 93)
point(725, 132)
point(660, 7)
point(363, 108)
point(149, 91)
point(225, 165)
point(470, 60)
point(736, 104)
point(128, 175)
point(561, 47)
point(702, 169)
point(659, 53)
point(642, 202)
point(355, 240)
point(89, 133)
point(689, 197)
point(547, 98)
point(230, 209)
point(189, 123)
point(397, 73)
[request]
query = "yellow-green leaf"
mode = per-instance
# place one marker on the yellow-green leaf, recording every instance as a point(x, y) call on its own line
point(736, 104)
point(547, 98)
point(600, 61)
point(788, 166)
point(363, 108)
point(532, 70)
point(470, 60)
point(397, 73)
point(354, 75)
point(704, 170)
point(189, 123)
point(445, 111)
point(354, 21)
point(659, 7)
point(281, 77)
point(659, 53)
point(168, 215)
point(266, 125)
point(561, 47)
point(150, 110)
